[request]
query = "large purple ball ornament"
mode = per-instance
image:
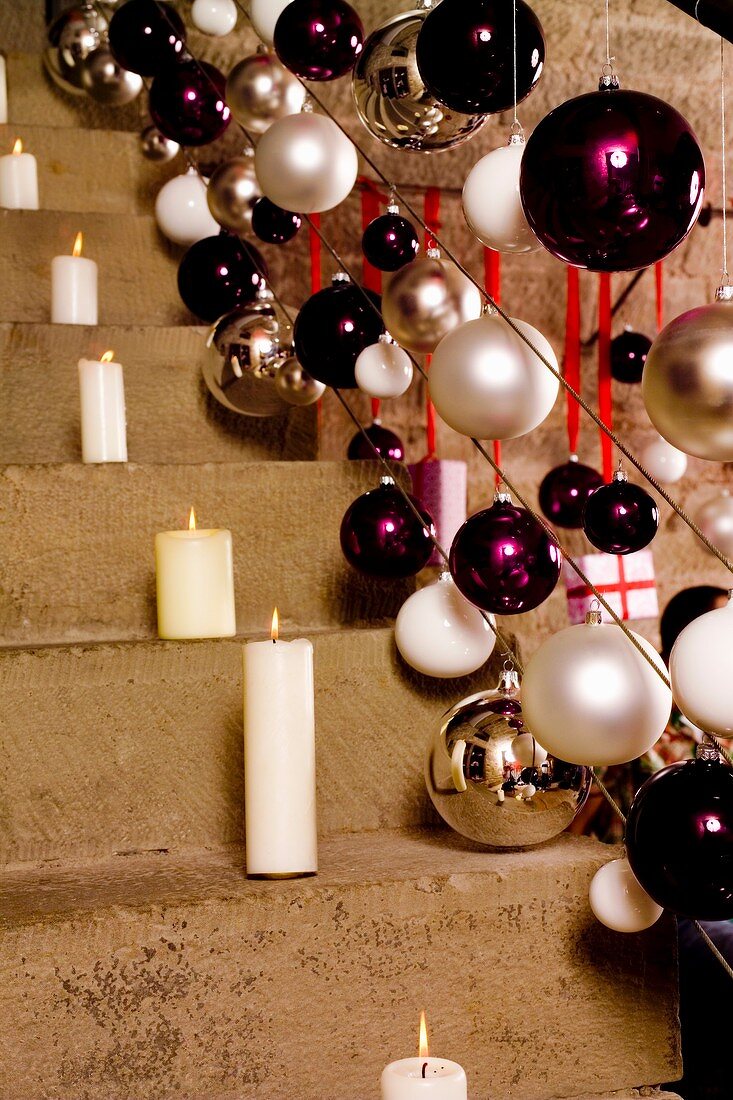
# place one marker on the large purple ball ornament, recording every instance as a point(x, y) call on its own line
point(318, 39)
point(612, 180)
point(381, 535)
point(217, 274)
point(503, 559)
point(147, 37)
point(388, 444)
point(620, 518)
point(188, 105)
point(272, 224)
point(564, 491)
point(333, 328)
point(628, 355)
point(390, 241)
point(465, 54)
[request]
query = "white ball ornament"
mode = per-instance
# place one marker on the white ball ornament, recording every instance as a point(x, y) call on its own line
point(619, 902)
point(182, 212)
point(663, 461)
point(701, 671)
point(214, 17)
point(527, 751)
point(439, 633)
point(491, 203)
point(383, 369)
point(305, 163)
point(264, 15)
point(715, 520)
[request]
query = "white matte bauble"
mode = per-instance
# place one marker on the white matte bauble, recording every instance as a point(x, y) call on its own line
point(383, 369)
point(214, 17)
point(439, 633)
point(663, 461)
point(491, 203)
point(591, 698)
point(182, 212)
point(487, 383)
point(619, 902)
point(701, 671)
point(264, 15)
point(305, 163)
point(527, 751)
point(715, 520)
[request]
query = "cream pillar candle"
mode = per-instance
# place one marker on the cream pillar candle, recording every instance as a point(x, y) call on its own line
point(279, 758)
point(102, 395)
point(3, 90)
point(424, 1078)
point(18, 180)
point(74, 288)
point(195, 583)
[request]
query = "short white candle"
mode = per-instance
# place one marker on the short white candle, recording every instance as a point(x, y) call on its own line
point(18, 179)
point(195, 583)
point(279, 758)
point(424, 1077)
point(102, 395)
point(74, 288)
point(3, 90)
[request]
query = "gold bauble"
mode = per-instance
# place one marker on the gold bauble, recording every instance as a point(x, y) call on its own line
point(232, 192)
point(425, 300)
point(260, 91)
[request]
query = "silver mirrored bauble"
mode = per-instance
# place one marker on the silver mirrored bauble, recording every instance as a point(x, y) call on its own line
point(106, 81)
point(156, 146)
point(296, 386)
point(72, 36)
point(478, 787)
point(260, 90)
point(232, 192)
point(53, 68)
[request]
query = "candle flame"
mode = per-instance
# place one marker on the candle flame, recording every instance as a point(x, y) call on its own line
point(18, 147)
point(424, 1052)
point(107, 357)
point(275, 628)
point(79, 240)
point(192, 520)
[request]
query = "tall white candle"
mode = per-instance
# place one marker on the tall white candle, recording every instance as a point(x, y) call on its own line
point(18, 179)
point(279, 758)
point(74, 288)
point(195, 583)
point(424, 1078)
point(3, 90)
point(102, 395)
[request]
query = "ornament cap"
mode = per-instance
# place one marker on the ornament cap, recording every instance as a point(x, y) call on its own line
point(385, 338)
point(620, 474)
point(572, 457)
point(724, 293)
point(433, 253)
point(502, 495)
point(594, 617)
point(385, 480)
point(707, 752)
point(608, 82)
point(508, 681)
point(392, 207)
point(516, 136)
point(339, 277)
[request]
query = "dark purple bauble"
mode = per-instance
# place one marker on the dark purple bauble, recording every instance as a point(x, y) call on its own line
point(679, 839)
point(503, 560)
point(465, 54)
point(620, 517)
point(612, 181)
point(381, 535)
point(217, 274)
point(387, 443)
point(272, 224)
point(318, 39)
point(187, 103)
point(628, 355)
point(564, 491)
point(333, 328)
point(390, 242)
point(147, 37)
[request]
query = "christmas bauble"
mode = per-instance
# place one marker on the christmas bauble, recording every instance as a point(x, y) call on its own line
point(334, 326)
point(157, 147)
point(318, 39)
point(187, 103)
point(218, 274)
point(74, 35)
point(387, 443)
point(620, 518)
point(272, 224)
point(383, 369)
point(565, 490)
point(612, 181)
point(182, 212)
point(619, 901)
point(425, 300)
point(439, 633)
point(264, 15)
point(628, 355)
point(701, 671)
point(147, 36)
point(477, 787)
point(486, 382)
point(663, 461)
point(106, 82)
point(232, 192)
point(390, 241)
point(591, 697)
point(465, 54)
point(715, 520)
point(503, 560)
point(679, 839)
point(305, 163)
point(63, 81)
point(296, 386)
point(260, 90)
point(381, 536)
point(214, 17)
point(491, 203)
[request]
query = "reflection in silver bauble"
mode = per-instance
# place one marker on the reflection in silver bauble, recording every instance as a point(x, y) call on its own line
point(480, 791)
point(104, 79)
point(72, 37)
point(296, 386)
point(232, 192)
point(260, 90)
point(425, 300)
point(53, 68)
point(157, 147)
point(715, 520)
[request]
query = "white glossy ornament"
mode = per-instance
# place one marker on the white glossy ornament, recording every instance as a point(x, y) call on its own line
point(439, 633)
point(715, 520)
point(491, 203)
point(527, 751)
point(619, 901)
point(214, 17)
point(383, 369)
point(264, 15)
point(305, 163)
point(182, 212)
point(487, 383)
point(663, 461)
point(701, 671)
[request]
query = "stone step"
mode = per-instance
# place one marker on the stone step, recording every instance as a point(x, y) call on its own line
point(34, 100)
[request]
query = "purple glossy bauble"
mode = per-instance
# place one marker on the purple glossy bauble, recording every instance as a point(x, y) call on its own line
point(465, 54)
point(381, 535)
point(272, 224)
point(318, 39)
point(564, 491)
point(620, 517)
point(187, 103)
point(333, 328)
point(390, 242)
point(217, 274)
point(628, 355)
point(147, 37)
point(387, 443)
point(503, 560)
point(679, 839)
point(612, 181)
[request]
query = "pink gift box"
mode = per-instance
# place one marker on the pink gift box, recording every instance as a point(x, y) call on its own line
point(626, 581)
point(440, 485)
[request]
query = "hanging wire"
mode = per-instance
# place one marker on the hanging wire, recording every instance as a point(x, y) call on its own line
point(609, 59)
point(724, 154)
point(515, 123)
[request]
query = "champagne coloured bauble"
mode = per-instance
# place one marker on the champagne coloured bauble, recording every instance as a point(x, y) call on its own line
point(260, 90)
point(591, 697)
point(527, 751)
point(439, 633)
point(477, 787)
point(679, 837)
point(628, 355)
point(391, 98)
point(295, 386)
point(156, 147)
point(620, 518)
point(612, 180)
point(334, 326)
point(218, 274)
point(663, 461)
point(264, 15)
point(231, 194)
point(182, 212)
point(318, 39)
point(486, 382)
point(187, 103)
point(106, 82)
point(386, 443)
point(619, 901)
point(715, 520)
point(503, 559)
point(390, 241)
point(701, 671)
point(147, 36)
point(564, 491)
point(383, 369)
point(272, 224)
point(381, 535)
point(491, 203)
point(214, 17)
point(425, 300)
point(305, 163)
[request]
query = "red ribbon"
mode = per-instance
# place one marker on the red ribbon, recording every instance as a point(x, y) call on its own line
point(432, 221)
point(492, 282)
point(571, 359)
point(659, 281)
point(371, 208)
point(605, 404)
point(622, 586)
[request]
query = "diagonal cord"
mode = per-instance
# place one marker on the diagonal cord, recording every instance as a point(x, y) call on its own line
point(608, 796)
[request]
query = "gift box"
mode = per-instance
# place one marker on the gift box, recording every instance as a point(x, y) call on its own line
point(626, 582)
point(440, 485)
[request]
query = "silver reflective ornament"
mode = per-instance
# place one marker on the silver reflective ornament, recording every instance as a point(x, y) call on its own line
point(296, 386)
point(481, 790)
point(156, 146)
point(232, 192)
point(104, 79)
point(260, 90)
point(72, 36)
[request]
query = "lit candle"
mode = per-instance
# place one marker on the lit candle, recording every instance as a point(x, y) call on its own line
point(431, 1078)
point(279, 758)
point(195, 583)
point(102, 394)
point(74, 288)
point(3, 90)
point(18, 179)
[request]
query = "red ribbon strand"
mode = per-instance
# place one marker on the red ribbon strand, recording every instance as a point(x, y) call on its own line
point(659, 282)
point(431, 214)
point(605, 405)
point(571, 358)
point(492, 282)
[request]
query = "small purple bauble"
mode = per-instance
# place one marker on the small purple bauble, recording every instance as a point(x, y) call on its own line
point(318, 39)
point(217, 274)
point(187, 103)
point(381, 535)
point(333, 328)
point(387, 443)
point(147, 37)
point(390, 242)
point(503, 560)
point(612, 180)
point(564, 491)
point(272, 224)
point(628, 355)
point(679, 839)
point(620, 517)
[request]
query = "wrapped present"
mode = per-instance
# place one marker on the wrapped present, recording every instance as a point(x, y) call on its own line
point(626, 581)
point(440, 485)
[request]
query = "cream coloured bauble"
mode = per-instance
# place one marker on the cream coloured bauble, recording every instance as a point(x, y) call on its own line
point(260, 90)
point(296, 386)
point(701, 671)
point(425, 299)
point(527, 751)
point(439, 633)
point(305, 163)
point(264, 15)
point(663, 461)
point(491, 203)
point(383, 369)
point(214, 17)
point(232, 192)
point(715, 520)
point(619, 902)
point(182, 212)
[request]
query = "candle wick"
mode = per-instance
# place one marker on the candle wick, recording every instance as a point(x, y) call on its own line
point(424, 1068)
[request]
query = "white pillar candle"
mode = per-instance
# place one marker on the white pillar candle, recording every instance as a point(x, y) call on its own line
point(3, 90)
point(424, 1078)
point(279, 758)
point(74, 288)
point(18, 179)
point(102, 395)
point(195, 583)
